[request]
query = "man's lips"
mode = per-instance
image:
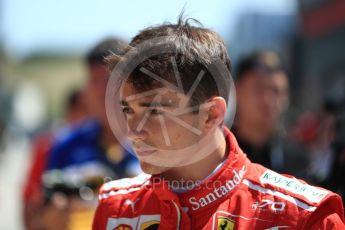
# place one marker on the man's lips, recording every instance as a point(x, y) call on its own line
point(144, 152)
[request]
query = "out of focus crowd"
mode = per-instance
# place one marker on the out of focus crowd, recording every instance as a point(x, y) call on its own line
point(71, 162)
point(288, 123)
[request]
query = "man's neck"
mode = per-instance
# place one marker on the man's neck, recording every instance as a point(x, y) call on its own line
point(201, 169)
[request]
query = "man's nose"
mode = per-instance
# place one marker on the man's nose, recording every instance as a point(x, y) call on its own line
point(136, 129)
point(270, 97)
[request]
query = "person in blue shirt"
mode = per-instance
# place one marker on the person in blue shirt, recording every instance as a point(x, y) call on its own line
point(85, 154)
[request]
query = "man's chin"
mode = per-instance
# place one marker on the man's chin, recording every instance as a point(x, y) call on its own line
point(151, 169)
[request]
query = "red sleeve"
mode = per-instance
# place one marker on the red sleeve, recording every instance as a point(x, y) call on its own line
point(330, 222)
point(100, 219)
point(329, 215)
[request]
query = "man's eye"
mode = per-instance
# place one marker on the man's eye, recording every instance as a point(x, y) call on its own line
point(154, 111)
point(126, 110)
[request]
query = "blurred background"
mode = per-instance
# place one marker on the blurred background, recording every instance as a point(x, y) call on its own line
point(43, 44)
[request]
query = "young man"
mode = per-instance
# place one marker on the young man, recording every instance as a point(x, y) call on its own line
point(262, 88)
point(173, 103)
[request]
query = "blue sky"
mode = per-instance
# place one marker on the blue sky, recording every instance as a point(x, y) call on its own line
point(74, 25)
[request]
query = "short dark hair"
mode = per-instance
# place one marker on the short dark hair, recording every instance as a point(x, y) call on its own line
point(104, 48)
point(196, 49)
point(266, 61)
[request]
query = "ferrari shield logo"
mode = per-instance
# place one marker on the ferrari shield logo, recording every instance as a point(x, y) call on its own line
point(224, 223)
point(150, 225)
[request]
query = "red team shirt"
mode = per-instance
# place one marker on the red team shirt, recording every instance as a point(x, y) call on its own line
point(240, 195)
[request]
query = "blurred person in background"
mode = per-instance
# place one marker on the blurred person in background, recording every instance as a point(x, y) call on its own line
point(262, 88)
point(93, 137)
point(83, 155)
point(75, 112)
point(323, 136)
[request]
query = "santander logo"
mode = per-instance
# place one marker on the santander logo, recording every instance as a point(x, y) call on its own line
point(219, 191)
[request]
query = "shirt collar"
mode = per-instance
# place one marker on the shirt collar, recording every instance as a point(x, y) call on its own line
point(216, 187)
point(222, 183)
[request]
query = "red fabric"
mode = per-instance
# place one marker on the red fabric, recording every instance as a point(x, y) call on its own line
point(33, 191)
point(33, 185)
point(241, 195)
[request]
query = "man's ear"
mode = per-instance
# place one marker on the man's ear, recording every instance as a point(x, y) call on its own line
point(215, 112)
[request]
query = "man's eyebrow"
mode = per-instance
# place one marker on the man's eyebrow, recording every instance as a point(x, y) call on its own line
point(123, 103)
point(146, 104)
point(154, 104)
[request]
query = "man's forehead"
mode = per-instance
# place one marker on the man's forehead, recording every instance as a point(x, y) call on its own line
point(159, 94)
